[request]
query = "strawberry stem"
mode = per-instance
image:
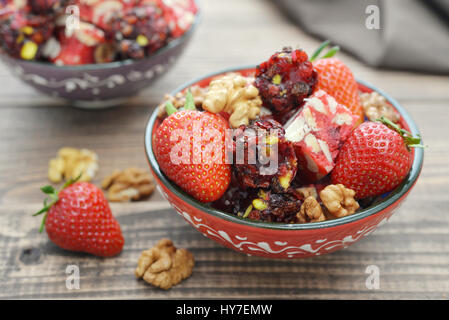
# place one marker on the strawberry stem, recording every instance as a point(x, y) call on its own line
point(190, 102)
point(330, 53)
point(409, 139)
point(170, 108)
point(53, 196)
point(319, 49)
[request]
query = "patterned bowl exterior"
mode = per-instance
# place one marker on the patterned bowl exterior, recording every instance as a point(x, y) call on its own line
point(282, 240)
point(99, 85)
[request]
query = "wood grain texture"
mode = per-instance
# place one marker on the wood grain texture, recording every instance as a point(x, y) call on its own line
point(412, 250)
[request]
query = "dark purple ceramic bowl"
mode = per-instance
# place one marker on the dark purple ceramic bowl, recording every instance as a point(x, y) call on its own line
point(95, 86)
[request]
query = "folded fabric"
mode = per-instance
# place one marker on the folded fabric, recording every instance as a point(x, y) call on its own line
point(410, 35)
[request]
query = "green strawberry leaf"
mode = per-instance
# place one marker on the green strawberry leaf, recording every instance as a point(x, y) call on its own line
point(190, 102)
point(330, 53)
point(319, 49)
point(410, 140)
point(170, 108)
point(48, 190)
point(53, 196)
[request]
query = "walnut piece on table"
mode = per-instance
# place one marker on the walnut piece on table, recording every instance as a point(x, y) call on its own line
point(339, 200)
point(70, 163)
point(310, 211)
point(164, 265)
point(179, 99)
point(376, 106)
point(129, 184)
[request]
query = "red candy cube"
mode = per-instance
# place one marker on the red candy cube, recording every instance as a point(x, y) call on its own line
point(317, 131)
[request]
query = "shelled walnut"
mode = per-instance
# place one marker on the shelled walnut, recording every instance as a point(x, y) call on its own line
point(179, 99)
point(129, 184)
point(70, 163)
point(339, 200)
point(310, 211)
point(164, 265)
point(234, 94)
point(376, 106)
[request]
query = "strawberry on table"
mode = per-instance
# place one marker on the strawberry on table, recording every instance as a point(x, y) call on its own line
point(337, 79)
point(375, 158)
point(78, 218)
point(190, 149)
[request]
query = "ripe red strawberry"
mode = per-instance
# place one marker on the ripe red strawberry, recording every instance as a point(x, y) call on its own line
point(79, 219)
point(337, 79)
point(375, 158)
point(79, 47)
point(73, 52)
point(190, 149)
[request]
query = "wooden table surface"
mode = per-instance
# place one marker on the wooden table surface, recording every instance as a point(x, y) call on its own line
point(411, 250)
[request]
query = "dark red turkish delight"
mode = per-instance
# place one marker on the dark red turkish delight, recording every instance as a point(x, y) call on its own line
point(140, 31)
point(263, 156)
point(273, 207)
point(46, 7)
point(285, 80)
point(23, 35)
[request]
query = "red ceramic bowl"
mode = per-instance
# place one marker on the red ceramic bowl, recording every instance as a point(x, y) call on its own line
point(278, 240)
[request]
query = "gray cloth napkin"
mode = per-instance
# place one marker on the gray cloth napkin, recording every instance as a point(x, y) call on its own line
point(413, 34)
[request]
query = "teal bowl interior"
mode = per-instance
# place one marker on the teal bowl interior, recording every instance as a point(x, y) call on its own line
point(387, 200)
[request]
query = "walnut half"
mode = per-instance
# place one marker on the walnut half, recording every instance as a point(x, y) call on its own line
point(339, 200)
point(129, 184)
point(72, 162)
point(310, 211)
point(376, 106)
point(234, 94)
point(164, 265)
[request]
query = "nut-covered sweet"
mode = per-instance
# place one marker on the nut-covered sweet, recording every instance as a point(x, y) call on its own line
point(263, 157)
point(164, 265)
point(179, 99)
point(339, 200)
point(273, 207)
point(376, 106)
point(140, 31)
point(70, 163)
point(310, 211)
point(284, 81)
point(129, 184)
point(23, 35)
point(235, 95)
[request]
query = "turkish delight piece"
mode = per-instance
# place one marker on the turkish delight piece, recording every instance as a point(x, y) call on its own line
point(318, 131)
